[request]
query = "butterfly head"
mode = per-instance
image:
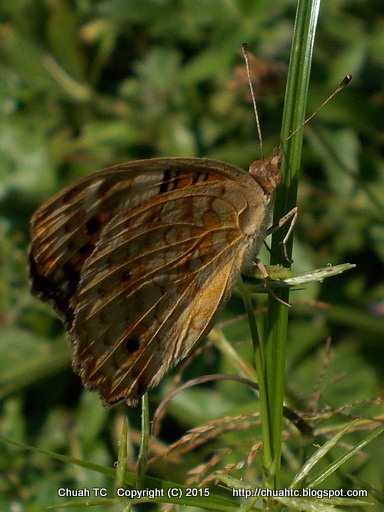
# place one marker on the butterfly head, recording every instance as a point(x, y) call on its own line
point(266, 173)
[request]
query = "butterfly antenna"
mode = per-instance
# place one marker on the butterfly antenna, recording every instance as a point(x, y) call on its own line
point(343, 84)
point(244, 48)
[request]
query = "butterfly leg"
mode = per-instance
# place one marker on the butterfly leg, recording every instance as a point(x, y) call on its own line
point(264, 273)
point(292, 216)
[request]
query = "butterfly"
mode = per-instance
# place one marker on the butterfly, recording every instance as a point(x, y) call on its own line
point(137, 260)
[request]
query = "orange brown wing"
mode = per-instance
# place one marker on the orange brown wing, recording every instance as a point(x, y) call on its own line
point(138, 258)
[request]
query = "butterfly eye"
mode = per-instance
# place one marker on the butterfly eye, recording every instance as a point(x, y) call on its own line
point(267, 173)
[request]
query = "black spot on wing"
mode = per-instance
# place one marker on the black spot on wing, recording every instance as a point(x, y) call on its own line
point(125, 276)
point(166, 183)
point(133, 343)
point(92, 226)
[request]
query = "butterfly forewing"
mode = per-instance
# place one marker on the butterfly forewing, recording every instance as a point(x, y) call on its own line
point(138, 258)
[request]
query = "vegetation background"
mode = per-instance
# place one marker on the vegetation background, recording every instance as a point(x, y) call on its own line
point(89, 84)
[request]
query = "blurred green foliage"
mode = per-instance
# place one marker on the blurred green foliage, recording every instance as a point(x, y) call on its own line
point(88, 84)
